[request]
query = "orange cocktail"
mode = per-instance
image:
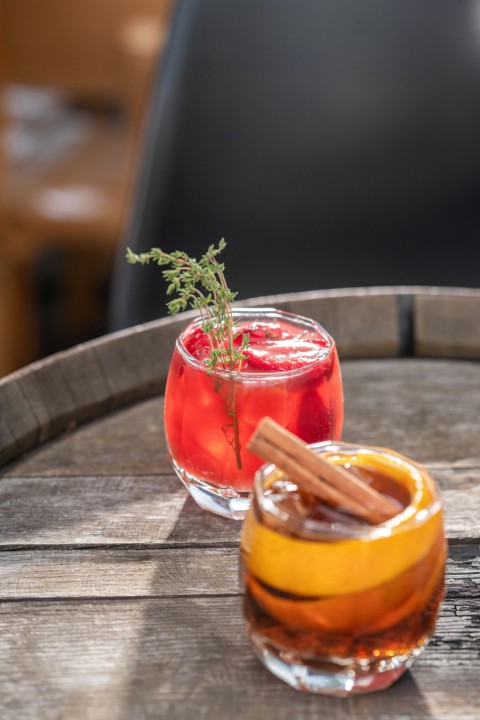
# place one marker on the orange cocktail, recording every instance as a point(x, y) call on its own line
point(334, 605)
point(289, 371)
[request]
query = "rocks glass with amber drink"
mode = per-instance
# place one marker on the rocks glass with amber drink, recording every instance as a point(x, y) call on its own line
point(335, 605)
point(289, 370)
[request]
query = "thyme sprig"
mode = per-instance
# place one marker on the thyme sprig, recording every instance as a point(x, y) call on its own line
point(201, 284)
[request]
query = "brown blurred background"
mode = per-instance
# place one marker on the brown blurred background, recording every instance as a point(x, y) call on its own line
point(74, 82)
point(339, 139)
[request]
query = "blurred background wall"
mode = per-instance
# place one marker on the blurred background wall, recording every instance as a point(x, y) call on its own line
point(75, 76)
point(334, 143)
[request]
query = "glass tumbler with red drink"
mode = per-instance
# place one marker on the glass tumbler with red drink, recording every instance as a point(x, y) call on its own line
point(288, 370)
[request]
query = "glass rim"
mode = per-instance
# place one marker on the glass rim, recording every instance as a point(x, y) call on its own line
point(264, 375)
point(404, 521)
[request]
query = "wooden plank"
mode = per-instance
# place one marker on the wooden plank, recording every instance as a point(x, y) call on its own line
point(447, 325)
point(106, 476)
point(184, 658)
point(363, 321)
point(19, 428)
point(157, 511)
point(460, 490)
point(91, 511)
point(463, 568)
point(51, 395)
point(85, 381)
point(166, 572)
point(135, 362)
point(63, 390)
point(427, 409)
point(48, 397)
point(126, 442)
point(119, 573)
point(176, 649)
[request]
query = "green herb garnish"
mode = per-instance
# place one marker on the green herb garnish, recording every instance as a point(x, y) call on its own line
point(201, 285)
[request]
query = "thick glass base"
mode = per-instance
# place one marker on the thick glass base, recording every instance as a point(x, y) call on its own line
point(221, 501)
point(332, 676)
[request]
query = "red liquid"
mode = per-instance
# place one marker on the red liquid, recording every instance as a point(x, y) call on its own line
point(291, 373)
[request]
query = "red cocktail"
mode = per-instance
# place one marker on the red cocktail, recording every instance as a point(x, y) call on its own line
point(290, 372)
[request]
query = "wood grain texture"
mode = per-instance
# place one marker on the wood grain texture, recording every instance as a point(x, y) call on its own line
point(447, 325)
point(135, 362)
point(130, 441)
point(19, 428)
point(105, 511)
point(184, 658)
point(165, 572)
point(54, 395)
point(112, 371)
point(157, 511)
point(363, 321)
point(426, 409)
point(120, 598)
point(64, 390)
point(110, 481)
point(110, 573)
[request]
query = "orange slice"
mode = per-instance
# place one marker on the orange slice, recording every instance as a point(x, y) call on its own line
point(369, 611)
point(342, 567)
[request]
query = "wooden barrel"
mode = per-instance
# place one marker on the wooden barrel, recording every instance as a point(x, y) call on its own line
point(55, 394)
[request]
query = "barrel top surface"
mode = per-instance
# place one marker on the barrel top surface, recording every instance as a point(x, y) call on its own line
point(52, 395)
point(120, 598)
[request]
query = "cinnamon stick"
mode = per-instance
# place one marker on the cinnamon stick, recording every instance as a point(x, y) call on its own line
point(329, 482)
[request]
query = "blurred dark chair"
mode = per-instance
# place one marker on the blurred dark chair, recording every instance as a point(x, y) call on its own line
point(332, 143)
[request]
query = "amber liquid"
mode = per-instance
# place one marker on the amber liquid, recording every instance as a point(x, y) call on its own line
point(392, 639)
point(384, 620)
